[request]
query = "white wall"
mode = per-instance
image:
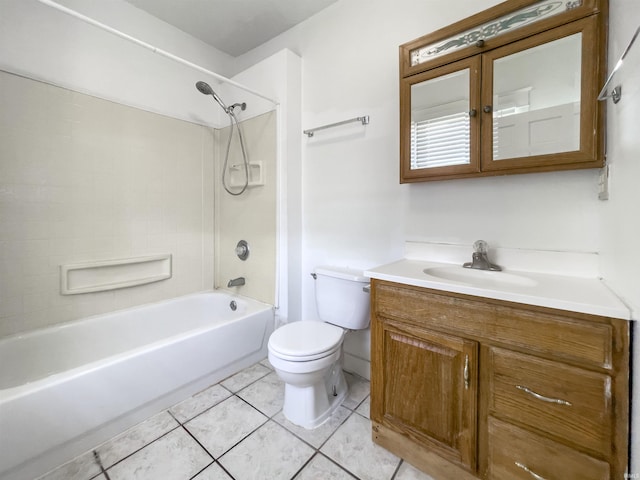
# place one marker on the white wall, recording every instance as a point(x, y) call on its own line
point(619, 215)
point(279, 76)
point(42, 43)
point(355, 212)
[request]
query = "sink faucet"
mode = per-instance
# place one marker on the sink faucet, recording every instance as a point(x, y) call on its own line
point(479, 259)
point(236, 282)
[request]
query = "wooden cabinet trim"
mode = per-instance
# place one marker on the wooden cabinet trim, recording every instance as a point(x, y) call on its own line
point(590, 153)
point(591, 73)
point(512, 449)
point(588, 7)
point(442, 416)
point(521, 386)
point(406, 173)
point(576, 338)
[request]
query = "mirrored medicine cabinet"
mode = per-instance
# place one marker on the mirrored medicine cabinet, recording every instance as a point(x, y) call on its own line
point(510, 90)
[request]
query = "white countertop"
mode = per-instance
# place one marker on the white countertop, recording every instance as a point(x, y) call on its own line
point(576, 294)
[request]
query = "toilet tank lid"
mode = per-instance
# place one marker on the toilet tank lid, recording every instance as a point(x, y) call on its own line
point(342, 273)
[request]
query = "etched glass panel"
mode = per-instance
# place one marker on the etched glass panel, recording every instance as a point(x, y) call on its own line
point(536, 100)
point(512, 21)
point(440, 132)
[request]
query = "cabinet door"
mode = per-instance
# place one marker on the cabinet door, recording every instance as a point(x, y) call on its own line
point(539, 101)
point(427, 389)
point(439, 122)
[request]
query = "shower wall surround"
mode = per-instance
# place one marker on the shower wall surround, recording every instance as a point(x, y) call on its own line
point(84, 179)
point(252, 215)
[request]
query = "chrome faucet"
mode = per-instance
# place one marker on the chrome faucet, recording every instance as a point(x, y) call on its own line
point(236, 282)
point(479, 259)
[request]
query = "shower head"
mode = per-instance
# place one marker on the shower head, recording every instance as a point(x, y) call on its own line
point(206, 89)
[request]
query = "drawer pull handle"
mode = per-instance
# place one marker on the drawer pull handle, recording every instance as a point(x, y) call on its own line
point(542, 397)
point(467, 381)
point(529, 471)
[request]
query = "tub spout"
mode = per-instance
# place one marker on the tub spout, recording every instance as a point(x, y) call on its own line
point(236, 282)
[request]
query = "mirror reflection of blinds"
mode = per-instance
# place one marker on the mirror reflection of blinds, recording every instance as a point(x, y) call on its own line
point(441, 141)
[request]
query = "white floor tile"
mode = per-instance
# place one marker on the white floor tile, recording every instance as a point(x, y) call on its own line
point(224, 425)
point(200, 402)
point(267, 363)
point(351, 446)
point(246, 377)
point(269, 453)
point(409, 472)
point(176, 456)
point(212, 472)
point(364, 408)
point(235, 429)
point(267, 394)
point(321, 468)
point(135, 438)
point(83, 467)
point(359, 389)
point(317, 436)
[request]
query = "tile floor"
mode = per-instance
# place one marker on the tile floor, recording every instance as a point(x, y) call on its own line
point(236, 430)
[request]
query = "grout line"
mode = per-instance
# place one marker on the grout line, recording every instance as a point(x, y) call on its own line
point(249, 384)
point(337, 428)
point(231, 394)
point(144, 446)
point(205, 467)
point(315, 453)
point(198, 442)
point(395, 473)
point(340, 466)
point(96, 457)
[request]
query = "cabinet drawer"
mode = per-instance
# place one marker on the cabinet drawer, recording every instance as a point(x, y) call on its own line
point(585, 342)
point(515, 453)
point(567, 402)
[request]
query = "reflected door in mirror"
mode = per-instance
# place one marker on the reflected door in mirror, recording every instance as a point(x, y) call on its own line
point(536, 100)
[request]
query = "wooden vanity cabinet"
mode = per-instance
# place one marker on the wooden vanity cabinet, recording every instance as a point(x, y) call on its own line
point(468, 387)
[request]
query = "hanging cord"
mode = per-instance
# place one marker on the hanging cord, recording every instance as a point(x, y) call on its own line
point(232, 119)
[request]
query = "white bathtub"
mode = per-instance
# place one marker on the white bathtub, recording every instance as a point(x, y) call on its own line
point(68, 388)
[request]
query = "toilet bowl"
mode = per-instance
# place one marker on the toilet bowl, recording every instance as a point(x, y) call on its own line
point(307, 355)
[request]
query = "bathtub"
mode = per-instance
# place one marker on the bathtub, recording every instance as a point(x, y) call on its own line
point(68, 388)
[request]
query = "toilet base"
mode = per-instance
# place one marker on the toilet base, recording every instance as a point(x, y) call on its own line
point(311, 406)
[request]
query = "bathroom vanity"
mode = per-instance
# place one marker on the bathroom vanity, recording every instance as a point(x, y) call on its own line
point(499, 375)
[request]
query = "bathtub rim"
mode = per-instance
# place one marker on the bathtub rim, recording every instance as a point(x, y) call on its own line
point(15, 392)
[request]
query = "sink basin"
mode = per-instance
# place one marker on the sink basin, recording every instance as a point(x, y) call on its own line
point(479, 278)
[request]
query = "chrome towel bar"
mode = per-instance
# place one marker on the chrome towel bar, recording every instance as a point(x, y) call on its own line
point(364, 120)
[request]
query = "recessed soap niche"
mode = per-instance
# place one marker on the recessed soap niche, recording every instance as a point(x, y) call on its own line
point(256, 174)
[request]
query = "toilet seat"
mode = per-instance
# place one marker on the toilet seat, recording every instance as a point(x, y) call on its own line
point(305, 341)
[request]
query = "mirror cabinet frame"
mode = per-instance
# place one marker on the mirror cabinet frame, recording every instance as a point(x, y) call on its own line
point(587, 16)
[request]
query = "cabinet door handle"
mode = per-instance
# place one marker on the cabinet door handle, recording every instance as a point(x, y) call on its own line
point(466, 372)
point(473, 112)
point(529, 471)
point(542, 397)
point(487, 109)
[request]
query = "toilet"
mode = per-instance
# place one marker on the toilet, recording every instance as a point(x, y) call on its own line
point(307, 355)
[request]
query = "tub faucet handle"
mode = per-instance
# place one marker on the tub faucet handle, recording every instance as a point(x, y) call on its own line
point(236, 282)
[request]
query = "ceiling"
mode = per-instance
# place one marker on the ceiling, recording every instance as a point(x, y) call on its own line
point(233, 26)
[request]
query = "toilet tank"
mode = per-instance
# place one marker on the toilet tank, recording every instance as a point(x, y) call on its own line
point(340, 297)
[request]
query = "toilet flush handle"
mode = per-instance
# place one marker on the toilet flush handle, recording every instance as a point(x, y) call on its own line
point(367, 288)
